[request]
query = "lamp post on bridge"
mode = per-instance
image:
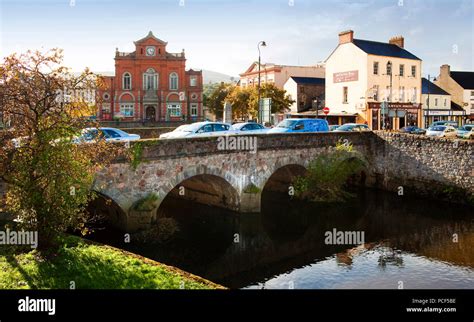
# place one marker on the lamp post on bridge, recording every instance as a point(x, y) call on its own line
point(263, 44)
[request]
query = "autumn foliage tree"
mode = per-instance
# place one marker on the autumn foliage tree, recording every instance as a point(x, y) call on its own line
point(49, 177)
point(244, 101)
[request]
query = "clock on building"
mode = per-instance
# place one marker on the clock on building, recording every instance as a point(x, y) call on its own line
point(150, 51)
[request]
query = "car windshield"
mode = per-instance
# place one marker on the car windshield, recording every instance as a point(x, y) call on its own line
point(466, 128)
point(238, 126)
point(90, 134)
point(438, 128)
point(346, 127)
point(192, 127)
point(182, 128)
point(288, 124)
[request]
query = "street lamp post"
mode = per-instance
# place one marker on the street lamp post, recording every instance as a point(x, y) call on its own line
point(263, 44)
point(389, 72)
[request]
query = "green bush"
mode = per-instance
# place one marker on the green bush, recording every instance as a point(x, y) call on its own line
point(329, 173)
point(148, 203)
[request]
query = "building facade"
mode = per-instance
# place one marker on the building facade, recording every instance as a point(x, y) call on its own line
point(306, 92)
point(361, 74)
point(277, 74)
point(151, 84)
point(460, 85)
point(437, 105)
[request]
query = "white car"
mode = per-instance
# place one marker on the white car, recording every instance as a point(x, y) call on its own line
point(441, 131)
point(248, 128)
point(198, 129)
point(110, 134)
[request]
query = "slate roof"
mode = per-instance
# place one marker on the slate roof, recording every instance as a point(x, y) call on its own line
point(383, 49)
point(309, 80)
point(428, 87)
point(465, 79)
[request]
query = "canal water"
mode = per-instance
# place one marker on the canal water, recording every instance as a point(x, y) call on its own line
point(408, 242)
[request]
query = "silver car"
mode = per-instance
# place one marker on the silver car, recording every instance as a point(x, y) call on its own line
point(110, 134)
point(248, 128)
point(198, 129)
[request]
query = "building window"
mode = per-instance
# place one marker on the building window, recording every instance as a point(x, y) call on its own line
point(413, 98)
point(389, 68)
point(127, 81)
point(344, 94)
point(436, 102)
point(174, 109)
point(127, 109)
point(193, 81)
point(413, 71)
point(402, 93)
point(376, 93)
point(150, 79)
point(376, 68)
point(445, 102)
point(194, 109)
point(402, 70)
point(173, 81)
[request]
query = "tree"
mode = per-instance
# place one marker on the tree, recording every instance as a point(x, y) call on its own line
point(215, 100)
point(49, 177)
point(281, 102)
point(239, 98)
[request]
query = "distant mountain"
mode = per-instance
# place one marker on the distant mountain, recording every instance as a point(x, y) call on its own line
point(209, 76)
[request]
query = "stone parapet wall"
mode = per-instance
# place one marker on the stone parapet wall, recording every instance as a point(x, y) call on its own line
point(426, 164)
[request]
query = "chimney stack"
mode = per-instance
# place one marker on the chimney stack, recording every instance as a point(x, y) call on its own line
point(346, 37)
point(445, 70)
point(397, 40)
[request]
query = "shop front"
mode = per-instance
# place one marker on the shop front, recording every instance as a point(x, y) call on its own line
point(431, 116)
point(394, 117)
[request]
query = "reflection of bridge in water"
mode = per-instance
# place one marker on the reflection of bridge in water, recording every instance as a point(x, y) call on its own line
point(287, 235)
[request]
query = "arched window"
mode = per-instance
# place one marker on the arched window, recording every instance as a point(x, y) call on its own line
point(150, 79)
point(127, 81)
point(174, 81)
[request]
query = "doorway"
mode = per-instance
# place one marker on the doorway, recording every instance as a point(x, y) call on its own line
point(150, 113)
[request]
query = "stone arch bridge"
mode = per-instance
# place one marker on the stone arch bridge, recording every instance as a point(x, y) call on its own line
point(199, 170)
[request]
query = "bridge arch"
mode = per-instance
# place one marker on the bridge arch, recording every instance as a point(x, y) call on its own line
point(283, 176)
point(104, 208)
point(205, 188)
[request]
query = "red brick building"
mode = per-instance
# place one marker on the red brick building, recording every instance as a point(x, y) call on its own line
point(151, 84)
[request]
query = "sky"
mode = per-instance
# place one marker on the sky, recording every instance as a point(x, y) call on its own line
point(222, 35)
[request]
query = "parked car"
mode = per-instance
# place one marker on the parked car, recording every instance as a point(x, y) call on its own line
point(466, 131)
point(446, 123)
point(110, 134)
point(198, 129)
point(247, 128)
point(412, 129)
point(441, 131)
point(333, 127)
point(353, 127)
point(296, 125)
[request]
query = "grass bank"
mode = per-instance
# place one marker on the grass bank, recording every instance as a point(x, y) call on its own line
point(90, 266)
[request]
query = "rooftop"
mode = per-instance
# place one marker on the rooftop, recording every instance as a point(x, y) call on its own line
point(465, 79)
point(383, 49)
point(428, 87)
point(309, 80)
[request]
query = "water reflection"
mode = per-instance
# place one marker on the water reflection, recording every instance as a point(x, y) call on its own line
point(409, 240)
